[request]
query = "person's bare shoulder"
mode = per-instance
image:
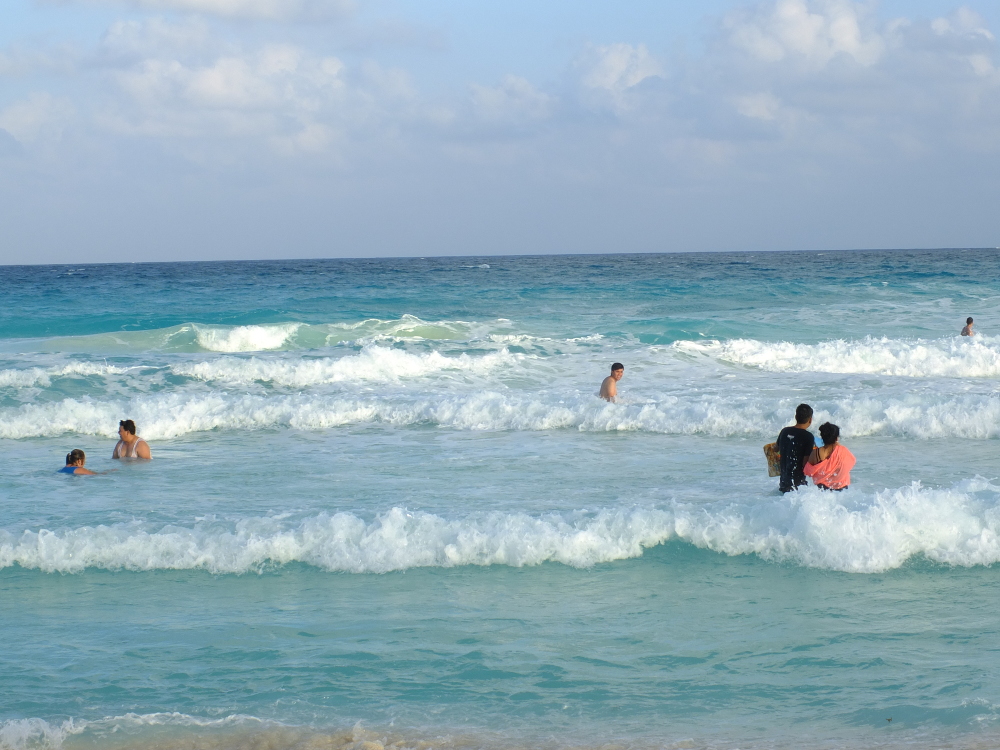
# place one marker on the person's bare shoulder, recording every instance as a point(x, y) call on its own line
point(609, 388)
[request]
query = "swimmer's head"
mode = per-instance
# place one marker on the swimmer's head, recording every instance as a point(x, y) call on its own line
point(128, 425)
point(829, 432)
point(76, 456)
point(803, 414)
point(617, 366)
point(968, 321)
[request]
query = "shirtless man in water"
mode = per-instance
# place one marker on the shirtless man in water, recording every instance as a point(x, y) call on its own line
point(130, 445)
point(609, 388)
point(967, 331)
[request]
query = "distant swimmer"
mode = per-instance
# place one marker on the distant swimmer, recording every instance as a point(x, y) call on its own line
point(967, 331)
point(830, 466)
point(609, 388)
point(75, 460)
point(795, 444)
point(130, 445)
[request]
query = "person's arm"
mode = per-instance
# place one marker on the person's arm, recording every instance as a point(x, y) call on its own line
point(814, 457)
point(142, 450)
point(81, 470)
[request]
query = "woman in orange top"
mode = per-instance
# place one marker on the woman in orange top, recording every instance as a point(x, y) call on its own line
point(830, 466)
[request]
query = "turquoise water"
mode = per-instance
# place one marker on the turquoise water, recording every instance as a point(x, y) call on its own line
point(387, 507)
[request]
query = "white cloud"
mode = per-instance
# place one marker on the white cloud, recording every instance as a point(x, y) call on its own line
point(764, 106)
point(154, 36)
point(815, 32)
point(963, 22)
point(514, 100)
point(610, 76)
point(617, 67)
point(276, 77)
point(279, 96)
point(40, 116)
point(260, 9)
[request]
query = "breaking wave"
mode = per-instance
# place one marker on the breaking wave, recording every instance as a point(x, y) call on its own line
point(201, 337)
point(244, 338)
point(42, 377)
point(852, 532)
point(170, 415)
point(373, 363)
point(952, 357)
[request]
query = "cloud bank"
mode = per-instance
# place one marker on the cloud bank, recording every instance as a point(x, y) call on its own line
point(850, 128)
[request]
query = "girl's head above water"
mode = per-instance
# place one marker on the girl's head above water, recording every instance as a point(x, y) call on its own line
point(76, 456)
point(829, 432)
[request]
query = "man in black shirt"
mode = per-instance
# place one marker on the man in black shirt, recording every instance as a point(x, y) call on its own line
point(795, 444)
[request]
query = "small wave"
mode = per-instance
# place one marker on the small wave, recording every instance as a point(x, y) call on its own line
point(177, 731)
point(854, 532)
point(42, 377)
point(851, 532)
point(397, 540)
point(952, 357)
point(35, 734)
point(202, 337)
point(170, 415)
point(406, 327)
point(38, 734)
point(373, 363)
point(244, 338)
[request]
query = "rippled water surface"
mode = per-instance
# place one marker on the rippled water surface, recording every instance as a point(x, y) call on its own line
point(386, 505)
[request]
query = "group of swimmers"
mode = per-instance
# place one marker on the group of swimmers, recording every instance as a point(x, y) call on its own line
point(829, 464)
point(129, 445)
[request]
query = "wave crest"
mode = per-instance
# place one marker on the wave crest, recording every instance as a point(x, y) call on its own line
point(373, 363)
point(396, 540)
point(244, 338)
point(952, 357)
point(170, 415)
point(851, 532)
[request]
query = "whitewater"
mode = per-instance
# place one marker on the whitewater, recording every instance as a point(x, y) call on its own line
point(387, 509)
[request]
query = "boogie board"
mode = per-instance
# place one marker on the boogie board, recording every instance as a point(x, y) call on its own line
point(773, 460)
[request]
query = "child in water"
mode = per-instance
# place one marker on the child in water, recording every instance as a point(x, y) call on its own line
point(75, 460)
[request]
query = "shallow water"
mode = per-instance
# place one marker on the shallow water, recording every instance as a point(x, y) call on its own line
point(387, 507)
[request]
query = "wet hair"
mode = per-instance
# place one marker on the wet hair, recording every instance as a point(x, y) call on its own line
point(617, 366)
point(75, 455)
point(968, 321)
point(829, 432)
point(128, 424)
point(803, 413)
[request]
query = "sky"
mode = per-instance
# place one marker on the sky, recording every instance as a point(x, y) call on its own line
point(145, 130)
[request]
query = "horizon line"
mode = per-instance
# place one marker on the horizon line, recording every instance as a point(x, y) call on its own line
point(497, 255)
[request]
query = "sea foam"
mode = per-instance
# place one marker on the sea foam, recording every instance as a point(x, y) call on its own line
point(244, 338)
point(373, 363)
point(43, 376)
point(952, 357)
point(39, 734)
point(170, 415)
point(852, 532)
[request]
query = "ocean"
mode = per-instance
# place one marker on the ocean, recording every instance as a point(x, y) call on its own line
point(386, 508)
